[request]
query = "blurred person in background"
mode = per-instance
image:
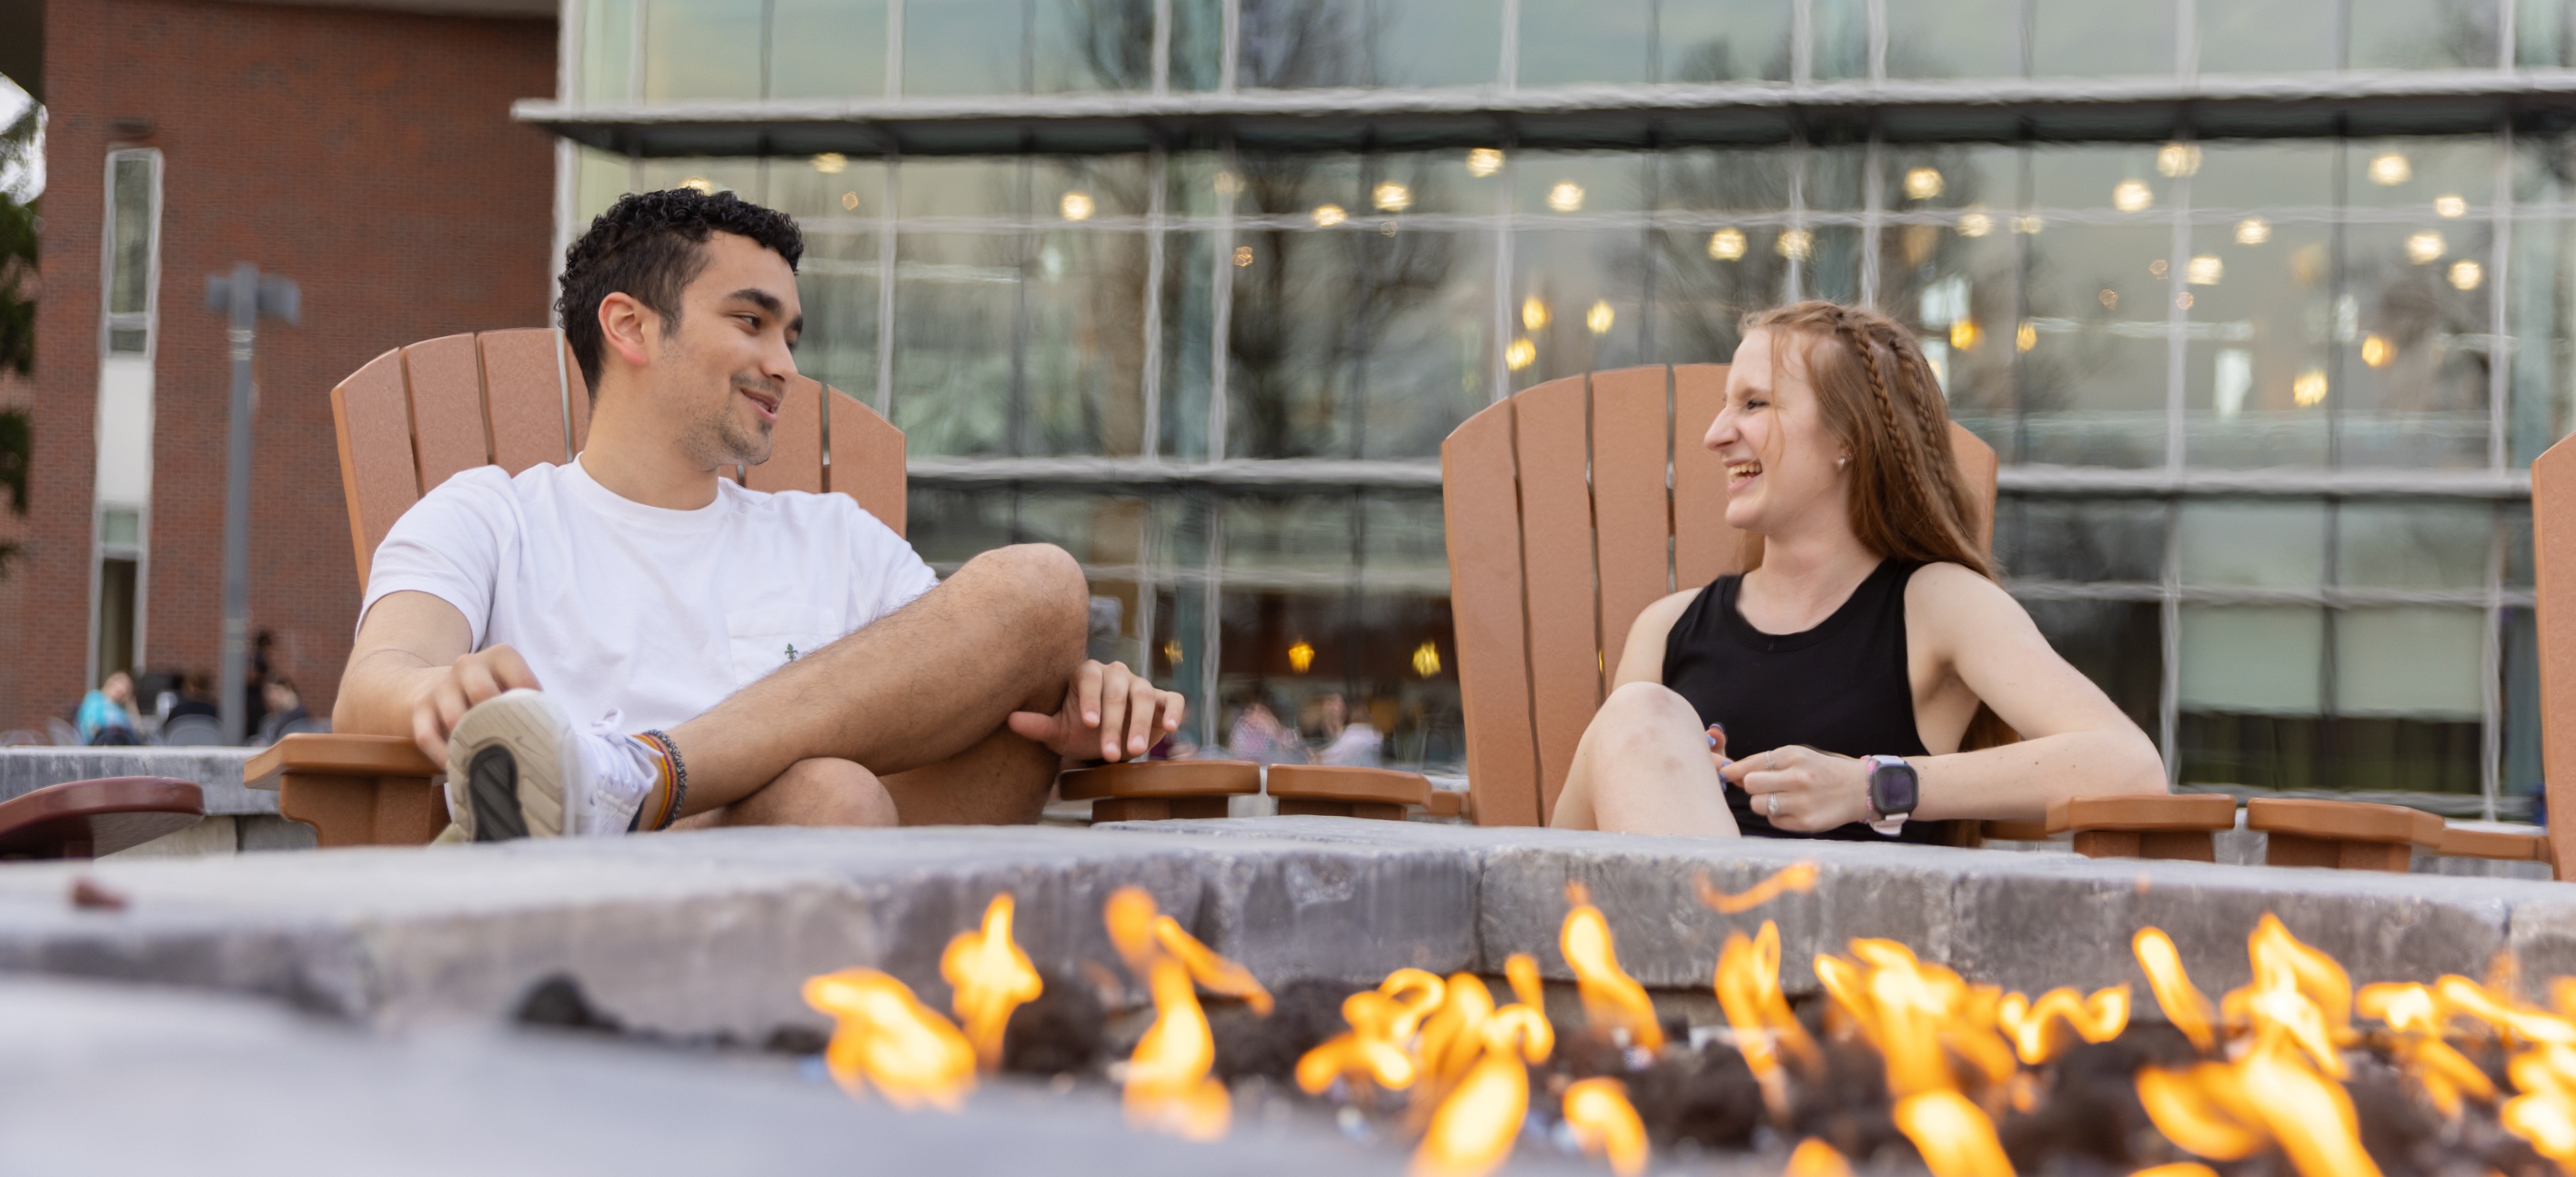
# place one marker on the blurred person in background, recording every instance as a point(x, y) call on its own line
point(106, 715)
point(1258, 734)
point(1348, 741)
point(283, 706)
point(196, 697)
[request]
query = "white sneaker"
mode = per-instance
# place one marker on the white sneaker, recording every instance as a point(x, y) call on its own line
point(517, 767)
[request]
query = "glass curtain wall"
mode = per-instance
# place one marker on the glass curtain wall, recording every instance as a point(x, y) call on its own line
point(2263, 405)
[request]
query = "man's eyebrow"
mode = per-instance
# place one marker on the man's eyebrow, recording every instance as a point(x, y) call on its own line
point(762, 299)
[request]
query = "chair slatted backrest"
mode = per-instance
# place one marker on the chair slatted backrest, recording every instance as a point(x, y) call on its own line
point(2553, 552)
point(416, 415)
point(1570, 507)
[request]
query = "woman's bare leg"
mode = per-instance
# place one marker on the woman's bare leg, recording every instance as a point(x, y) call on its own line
point(1643, 767)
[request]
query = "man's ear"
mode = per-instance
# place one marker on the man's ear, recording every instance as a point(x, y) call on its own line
point(630, 329)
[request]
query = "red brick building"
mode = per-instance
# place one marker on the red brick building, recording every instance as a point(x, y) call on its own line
point(365, 150)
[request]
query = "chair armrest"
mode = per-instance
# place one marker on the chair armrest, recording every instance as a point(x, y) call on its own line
point(1328, 782)
point(1449, 803)
point(2016, 831)
point(2507, 845)
point(2144, 812)
point(2344, 821)
point(1161, 778)
point(338, 755)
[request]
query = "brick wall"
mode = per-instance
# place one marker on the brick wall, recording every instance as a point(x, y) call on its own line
point(370, 156)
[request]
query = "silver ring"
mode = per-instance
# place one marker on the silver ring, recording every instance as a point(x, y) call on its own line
point(1771, 805)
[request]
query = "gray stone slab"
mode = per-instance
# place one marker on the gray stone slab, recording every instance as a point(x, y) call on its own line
point(2022, 919)
point(713, 932)
point(218, 771)
point(113, 1079)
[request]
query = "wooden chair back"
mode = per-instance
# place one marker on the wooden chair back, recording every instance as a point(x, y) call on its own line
point(416, 415)
point(2553, 558)
point(1570, 507)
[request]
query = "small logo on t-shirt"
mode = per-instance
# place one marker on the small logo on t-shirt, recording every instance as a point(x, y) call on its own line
point(791, 651)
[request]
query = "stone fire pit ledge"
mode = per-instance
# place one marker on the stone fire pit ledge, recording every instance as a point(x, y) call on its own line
point(2026, 920)
point(713, 933)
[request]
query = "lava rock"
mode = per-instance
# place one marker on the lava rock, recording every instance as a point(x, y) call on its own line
point(557, 1003)
point(1059, 1033)
point(1708, 1097)
point(1303, 1014)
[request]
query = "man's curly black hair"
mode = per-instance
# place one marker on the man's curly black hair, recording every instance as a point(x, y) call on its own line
point(647, 246)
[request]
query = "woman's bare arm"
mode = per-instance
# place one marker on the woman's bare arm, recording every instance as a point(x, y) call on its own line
point(1642, 658)
point(2075, 741)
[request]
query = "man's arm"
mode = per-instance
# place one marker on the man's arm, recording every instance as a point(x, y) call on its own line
point(413, 672)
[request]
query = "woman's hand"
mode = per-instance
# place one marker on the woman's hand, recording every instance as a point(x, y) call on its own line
point(1801, 789)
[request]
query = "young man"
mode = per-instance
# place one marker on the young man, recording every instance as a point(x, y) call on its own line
point(632, 641)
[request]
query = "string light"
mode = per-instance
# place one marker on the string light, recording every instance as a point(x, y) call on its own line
point(1565, 197)
point(2450, 207)
point(2426, 247)
point(1484, 161)
point(2253, 231)
point(2132, 196)
point(1726, 245)
point(1329, 215)
point(2466, 274)
point(1076, 206)
point(1922, 183)
point(1533, 313)
point(1600, 317)
point(1392, 197)
point(831, 163)
point(2390, 170)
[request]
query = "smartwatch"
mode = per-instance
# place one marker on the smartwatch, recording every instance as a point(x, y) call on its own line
point(1894, 791)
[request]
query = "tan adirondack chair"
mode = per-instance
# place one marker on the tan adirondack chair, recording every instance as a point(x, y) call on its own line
point(416, 415)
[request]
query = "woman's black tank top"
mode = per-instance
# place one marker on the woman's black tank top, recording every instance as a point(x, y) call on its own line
point(1841, 687)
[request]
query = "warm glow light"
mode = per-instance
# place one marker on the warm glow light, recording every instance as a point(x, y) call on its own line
point(2390, 170)
point(991, 977)
point(1329, 215)
point(1426, 659)
point(2029, 223)
point(1484, 161)
point(1172, 652)
point(1392, 197)
point(2182, 1002)
point(850, 201)
point(2376, 351)
point(1975, 224)
point(1242, 256)
point(1565, 196)
point(1076, 206)
point(2157, 267)
point(2026, 336)
point(1922, 183)
point(1964, 335)
point(1520, 354)
point(2467, 274)
point(831, 163)
point(2450, 207)
point(2309, 389)
point(1726, 245)
point(1797, 876)
point(1954, 1135)
point(1612, 999)
point(1600, 317)
point(2205, 270)
point(2110, 299)
point(1228, 184)
point(700, 184)
point(1606, 1124)
point(2131, 196)
point(2253, 231)
point(1796, 243)
point(1533, 313)
point(2425, 247)
point(883, 1036)
point(1301, 655)
point(2177, 159)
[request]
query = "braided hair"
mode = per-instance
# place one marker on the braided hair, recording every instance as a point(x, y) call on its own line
point(1878, 396)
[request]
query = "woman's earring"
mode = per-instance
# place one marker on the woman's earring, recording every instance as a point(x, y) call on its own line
point(1839, 463)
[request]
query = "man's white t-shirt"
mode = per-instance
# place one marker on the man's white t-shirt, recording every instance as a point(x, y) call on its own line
point(658, 613)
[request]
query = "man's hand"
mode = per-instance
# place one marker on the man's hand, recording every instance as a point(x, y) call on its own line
point(469, 680)
point(1102, 705)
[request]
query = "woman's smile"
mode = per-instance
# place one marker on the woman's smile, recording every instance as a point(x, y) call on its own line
point(1740, 475)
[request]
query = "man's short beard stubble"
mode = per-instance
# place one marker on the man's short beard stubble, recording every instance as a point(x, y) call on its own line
point(722, 439)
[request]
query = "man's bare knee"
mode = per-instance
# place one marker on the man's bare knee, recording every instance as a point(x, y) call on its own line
point(819, 792)
point(1044, 585)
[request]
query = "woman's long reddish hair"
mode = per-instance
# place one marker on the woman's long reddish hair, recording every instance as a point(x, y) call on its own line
point(1879, 398)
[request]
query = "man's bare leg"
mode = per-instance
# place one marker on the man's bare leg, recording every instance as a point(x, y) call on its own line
point(1643, 766)
point(809, 793)
point(1002, 781)
point(919, 688)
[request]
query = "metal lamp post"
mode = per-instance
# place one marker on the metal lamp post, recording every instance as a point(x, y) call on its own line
point(248, 296)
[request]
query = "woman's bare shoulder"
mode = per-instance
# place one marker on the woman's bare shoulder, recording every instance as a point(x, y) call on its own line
point(1945, 593)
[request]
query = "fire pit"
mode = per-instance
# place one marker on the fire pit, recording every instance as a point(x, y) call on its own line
point(1462, 956)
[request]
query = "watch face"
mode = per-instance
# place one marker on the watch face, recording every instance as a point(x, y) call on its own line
point(1892, 788)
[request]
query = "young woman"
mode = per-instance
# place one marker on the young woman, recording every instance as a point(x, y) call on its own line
point(1842, 689)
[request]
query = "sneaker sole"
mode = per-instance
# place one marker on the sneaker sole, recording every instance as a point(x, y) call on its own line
point(513, 754)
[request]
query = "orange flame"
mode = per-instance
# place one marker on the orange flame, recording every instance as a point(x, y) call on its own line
point(883, 1035)
point(1143, 935)
point(2299, 995)
point(1916, 1014)
point(2099, 1018)
point(2182, 1001)
point(1451, 1040)
point(1797, 876)
point(992, 977)
point(1474, 1128)
point(1954, 1135)
point(1748, 990)
point(1130, 915)
point(1606, 1124)
point(2204, 1110)
point(1815, 1158)
point(2418, 1019)
point(1168, 1088)
point(2177, 1169)
point(1373, 1047)
point(1612, 999)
